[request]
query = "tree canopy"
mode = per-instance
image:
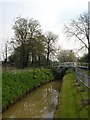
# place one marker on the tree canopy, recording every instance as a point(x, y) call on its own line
point(66, 56)
point(32, 46)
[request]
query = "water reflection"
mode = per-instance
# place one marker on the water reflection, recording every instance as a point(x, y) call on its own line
point(41, 103)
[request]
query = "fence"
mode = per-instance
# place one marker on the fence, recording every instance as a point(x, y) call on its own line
point(82, 65)
point(82, 79)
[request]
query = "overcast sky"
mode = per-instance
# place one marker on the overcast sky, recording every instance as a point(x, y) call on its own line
point(52, 15)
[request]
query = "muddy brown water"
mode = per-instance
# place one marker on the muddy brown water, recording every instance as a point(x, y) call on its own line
point(40, 103)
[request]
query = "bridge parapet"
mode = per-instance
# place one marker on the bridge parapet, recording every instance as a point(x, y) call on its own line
point(82, 65)
point(70, 64)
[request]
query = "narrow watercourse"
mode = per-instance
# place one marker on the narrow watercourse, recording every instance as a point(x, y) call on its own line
point(40, 103)
point(49, 91)
point(17, 84)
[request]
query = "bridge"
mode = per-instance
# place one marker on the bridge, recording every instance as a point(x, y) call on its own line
point(70, 64)
point(81, 74)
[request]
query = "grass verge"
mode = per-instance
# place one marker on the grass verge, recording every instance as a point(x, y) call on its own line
point(70, 103)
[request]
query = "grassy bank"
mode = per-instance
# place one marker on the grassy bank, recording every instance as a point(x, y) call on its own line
point(89, 72)
point(16, 84)
point(70, 103)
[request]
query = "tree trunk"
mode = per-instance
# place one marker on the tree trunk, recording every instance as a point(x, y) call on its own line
point(22, 57)
point(89, 57)
point(39, 59)
point(48, 55)
point(27, 57)
point(48, 59)
point(32, 59)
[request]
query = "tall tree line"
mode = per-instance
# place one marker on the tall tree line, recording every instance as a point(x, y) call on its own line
point(32, 46)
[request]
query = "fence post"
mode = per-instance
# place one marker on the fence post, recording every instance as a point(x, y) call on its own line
point(83, 81)
point(88, 82)
point(76, 75)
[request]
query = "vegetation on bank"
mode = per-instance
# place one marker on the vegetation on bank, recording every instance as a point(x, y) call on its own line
point(18, 83)
point(70, 103)
point(89, 72)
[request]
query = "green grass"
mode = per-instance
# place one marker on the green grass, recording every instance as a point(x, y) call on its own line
point(16, 83)
point(89, 72)
point(69, 105)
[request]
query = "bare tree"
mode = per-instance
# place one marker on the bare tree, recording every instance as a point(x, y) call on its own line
point(79, 29)
point(5, 53)
point(49, 42)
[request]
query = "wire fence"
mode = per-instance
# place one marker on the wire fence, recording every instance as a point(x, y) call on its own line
point(82, 79)
point(80, 75)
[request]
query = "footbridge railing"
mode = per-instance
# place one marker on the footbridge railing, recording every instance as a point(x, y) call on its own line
point(81, 76)
point(70, 64)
